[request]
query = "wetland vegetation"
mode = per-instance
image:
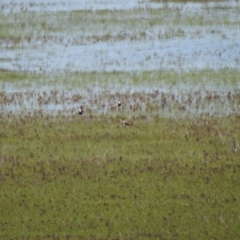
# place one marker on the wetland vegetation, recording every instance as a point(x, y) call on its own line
point(173, 174)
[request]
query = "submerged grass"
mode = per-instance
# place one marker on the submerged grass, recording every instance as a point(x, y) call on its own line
point(108, 25)
point(186, 1)
point(91, 178)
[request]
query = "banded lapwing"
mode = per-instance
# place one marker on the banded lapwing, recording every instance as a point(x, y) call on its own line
point(80, 110)
point(125, 123)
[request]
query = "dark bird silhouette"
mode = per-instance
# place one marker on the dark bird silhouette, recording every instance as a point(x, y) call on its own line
point(80, 111)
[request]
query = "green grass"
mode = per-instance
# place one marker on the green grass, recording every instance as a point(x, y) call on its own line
point(11, 76)
point(118, 79)
point(92, 178)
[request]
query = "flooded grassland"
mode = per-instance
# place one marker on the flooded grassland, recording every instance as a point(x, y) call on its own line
point(104, 52)
point(173, 173)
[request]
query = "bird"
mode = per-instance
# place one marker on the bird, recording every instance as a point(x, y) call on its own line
point(125, 123)
point(234, 145)
point(80, 111)
point(119, 104)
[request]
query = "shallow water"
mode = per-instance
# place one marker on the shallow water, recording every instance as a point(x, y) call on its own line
point(177, 47)
point(169, 47)
point(179, 54)
point(71, 5)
